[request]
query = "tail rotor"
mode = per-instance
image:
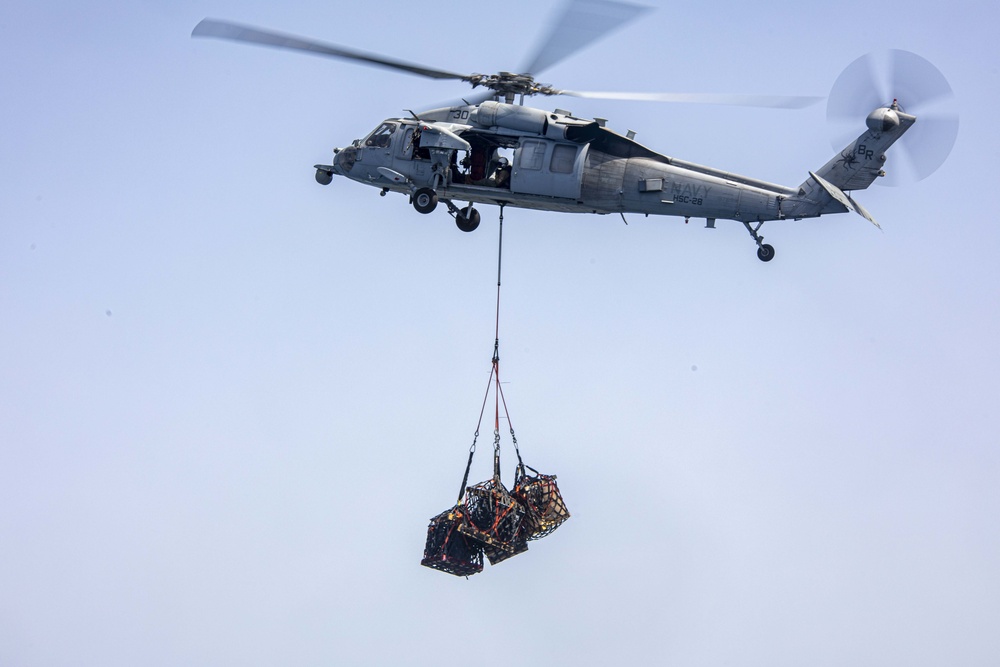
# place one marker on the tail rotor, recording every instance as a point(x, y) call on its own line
point(877, 80)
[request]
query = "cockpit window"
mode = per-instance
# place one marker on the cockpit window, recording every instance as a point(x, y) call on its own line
point(381, 136)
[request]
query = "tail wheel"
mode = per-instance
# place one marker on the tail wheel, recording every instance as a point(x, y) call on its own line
point(765, 253)
point(425, 200)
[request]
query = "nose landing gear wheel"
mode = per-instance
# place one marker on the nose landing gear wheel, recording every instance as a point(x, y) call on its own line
point(425, 200)
point(765, 253)
point(467, 219)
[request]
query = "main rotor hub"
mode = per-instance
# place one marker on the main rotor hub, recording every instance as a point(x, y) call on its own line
point(509, 84)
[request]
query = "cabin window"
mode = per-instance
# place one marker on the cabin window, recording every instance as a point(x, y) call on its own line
point(409, 148)
point(563, 159)
point(406, 145)
point(381, 137)
point(532, 155)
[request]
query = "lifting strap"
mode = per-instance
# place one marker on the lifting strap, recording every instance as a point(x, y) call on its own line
point(493, 381)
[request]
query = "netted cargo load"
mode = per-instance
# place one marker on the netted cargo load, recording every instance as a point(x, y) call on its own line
point(519, 546)
point(447, 549)
point(492, 516)
point(538, 494)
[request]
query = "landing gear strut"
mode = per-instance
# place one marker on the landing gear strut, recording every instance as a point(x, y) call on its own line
point(765, 252)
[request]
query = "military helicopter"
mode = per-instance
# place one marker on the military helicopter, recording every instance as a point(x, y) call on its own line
point(488, 150)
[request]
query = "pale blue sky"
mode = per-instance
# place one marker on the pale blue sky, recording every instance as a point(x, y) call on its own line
point(230, 399)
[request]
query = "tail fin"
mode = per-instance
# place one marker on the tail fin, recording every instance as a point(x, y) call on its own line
point(855, 168)
point(858, 165)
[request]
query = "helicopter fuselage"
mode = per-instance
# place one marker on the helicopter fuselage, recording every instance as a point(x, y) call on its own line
point(503, 154)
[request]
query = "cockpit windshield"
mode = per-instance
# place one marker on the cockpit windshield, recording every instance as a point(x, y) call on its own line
point(381, 137)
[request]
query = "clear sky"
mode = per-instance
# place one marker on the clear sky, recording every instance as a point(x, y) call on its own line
point(230, 398)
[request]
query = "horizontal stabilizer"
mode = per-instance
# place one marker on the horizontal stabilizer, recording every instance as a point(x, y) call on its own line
point(844, 199)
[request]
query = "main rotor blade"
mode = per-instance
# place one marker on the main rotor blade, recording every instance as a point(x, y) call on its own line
point(581, 23)
point(766, 101)
point(242, 33)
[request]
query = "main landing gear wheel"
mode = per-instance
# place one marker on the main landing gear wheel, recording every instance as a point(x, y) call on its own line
point(765, 253)
point(425, 200)
point(467, 219)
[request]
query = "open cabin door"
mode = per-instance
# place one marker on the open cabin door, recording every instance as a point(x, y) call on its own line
point(544, 167)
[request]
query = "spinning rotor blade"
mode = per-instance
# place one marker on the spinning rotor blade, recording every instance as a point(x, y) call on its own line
point(241, 33)
point(875, 80)
point(766, 101)
point(581, 23)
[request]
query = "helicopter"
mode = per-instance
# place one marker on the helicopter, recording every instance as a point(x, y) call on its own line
point(488, 150)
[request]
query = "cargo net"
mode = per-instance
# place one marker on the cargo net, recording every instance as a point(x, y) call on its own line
point(492, 516)
point(447, 549)
point(490, 521)
point(544, 508)
point(518, 546)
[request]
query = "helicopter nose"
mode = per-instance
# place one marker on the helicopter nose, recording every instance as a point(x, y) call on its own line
point(344, 159)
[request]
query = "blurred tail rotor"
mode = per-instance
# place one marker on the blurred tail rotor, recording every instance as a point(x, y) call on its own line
point(875, 80)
